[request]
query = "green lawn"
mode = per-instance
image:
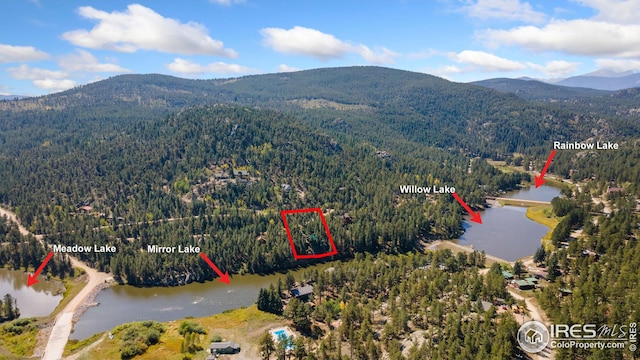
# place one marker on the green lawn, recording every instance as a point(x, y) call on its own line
point(243, 326)
point(544, 215)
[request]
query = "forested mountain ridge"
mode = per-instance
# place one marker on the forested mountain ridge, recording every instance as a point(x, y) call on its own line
point(404, 107)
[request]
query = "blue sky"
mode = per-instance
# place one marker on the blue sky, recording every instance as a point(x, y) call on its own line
point(53, 45)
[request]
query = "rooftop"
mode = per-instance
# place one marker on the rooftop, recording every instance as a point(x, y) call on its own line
point(224, 345)
point(302, 291)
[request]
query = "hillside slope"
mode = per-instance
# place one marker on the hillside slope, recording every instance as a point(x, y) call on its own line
point(217, 177)
point(537, 90)
point(406, 109)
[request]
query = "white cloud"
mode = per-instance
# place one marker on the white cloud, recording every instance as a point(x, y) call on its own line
point(10, 53)
point(443, 71)
point(382, 56)
point(618, 65)
point(613, 32)
point(183, 66)
point(25, 72)
point(580, 37)
point(287, 68)
point(449, 70)
point(304, 41)
point(617, 11)
point(555, 68)
point(84, 61)
point(52, 80)
point(227, 2)
point(54, 85)
point(142, 28)
point(480, 60)
point(503, 9)
point(324, 47)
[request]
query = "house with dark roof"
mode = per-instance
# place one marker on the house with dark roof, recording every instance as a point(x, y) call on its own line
point(302, 292)
point(524, 285)
point(226, 347)
point(565, 292)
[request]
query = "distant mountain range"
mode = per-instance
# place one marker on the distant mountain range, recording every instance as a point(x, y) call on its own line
point(531, 89)
point(600, 82)
point(12, 97)
point(606, 80)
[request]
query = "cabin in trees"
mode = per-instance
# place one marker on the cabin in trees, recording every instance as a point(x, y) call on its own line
point(302, 292)
point(243, 174)
point(226, 347)
point(565, 292)
point(541, 274)
point(591, 254)
point(523, 285)
point(507, 275)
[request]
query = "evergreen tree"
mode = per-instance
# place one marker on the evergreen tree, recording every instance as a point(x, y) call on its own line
point(267, 345)
point(540, 255)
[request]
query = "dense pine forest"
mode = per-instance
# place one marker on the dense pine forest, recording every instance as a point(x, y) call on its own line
point(25, 252)
point(221, 174)
point(600, 267)
point(418, 306)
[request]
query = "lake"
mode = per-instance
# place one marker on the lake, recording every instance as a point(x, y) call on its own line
point(122, 304)
point(543, 193)
point(38, 300)
point(506, 232)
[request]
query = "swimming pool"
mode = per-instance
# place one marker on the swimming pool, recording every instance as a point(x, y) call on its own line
point(283, 334)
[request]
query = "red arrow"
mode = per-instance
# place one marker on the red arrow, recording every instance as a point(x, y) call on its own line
point(474, 216)
point(223, 277)
point(540, 179)
point(32, 278)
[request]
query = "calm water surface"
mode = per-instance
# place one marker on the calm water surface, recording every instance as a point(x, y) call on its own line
point(506, 232)
point(122, 304)
point(38, 300)
point(543, 193)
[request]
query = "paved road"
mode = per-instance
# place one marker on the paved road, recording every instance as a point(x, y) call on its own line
point(59, 336)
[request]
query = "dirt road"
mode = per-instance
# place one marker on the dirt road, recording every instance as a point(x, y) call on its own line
point(64, 321)
point(535, 313)
point(449, 244)
point(12, 216)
